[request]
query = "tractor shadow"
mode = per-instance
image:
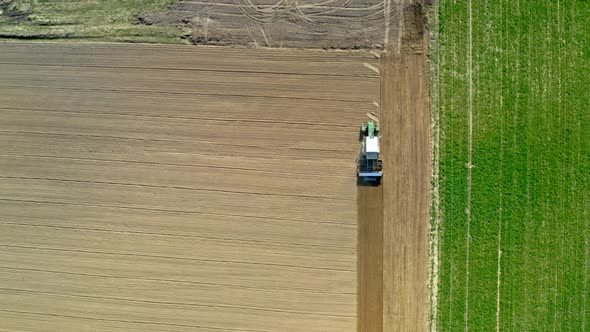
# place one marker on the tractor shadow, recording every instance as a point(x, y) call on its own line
point(361, 183)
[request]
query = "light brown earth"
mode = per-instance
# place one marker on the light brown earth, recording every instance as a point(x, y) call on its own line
point(394, 218)
point(139, 197)
point(149, 188)
point(370, 259)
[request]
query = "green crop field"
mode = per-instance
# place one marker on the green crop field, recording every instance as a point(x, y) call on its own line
point(91, 20)
point(511, 101)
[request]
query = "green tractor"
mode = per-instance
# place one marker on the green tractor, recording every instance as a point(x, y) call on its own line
point(369, 166)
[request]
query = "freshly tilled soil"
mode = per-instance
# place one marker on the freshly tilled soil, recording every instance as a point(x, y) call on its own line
point(149, 188)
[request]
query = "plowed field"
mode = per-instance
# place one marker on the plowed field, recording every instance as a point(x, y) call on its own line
point(172, 189)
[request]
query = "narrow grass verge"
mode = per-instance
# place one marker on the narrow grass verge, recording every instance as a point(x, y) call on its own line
point(106, 20)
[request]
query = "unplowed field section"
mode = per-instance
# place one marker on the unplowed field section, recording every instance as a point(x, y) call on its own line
point(178, 189)
point(406, 190)
point(393, 218)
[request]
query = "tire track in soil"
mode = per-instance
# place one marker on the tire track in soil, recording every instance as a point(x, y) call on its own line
point(397, 236)
point(406, 189)
point(370, 262)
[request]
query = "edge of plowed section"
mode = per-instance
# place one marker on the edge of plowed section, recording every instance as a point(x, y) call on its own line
point(394, 218)
point(405, 123)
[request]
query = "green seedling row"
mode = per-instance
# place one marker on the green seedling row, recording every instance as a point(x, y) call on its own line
point(515, 234)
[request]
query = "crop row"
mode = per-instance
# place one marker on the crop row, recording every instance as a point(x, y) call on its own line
point(517, 256)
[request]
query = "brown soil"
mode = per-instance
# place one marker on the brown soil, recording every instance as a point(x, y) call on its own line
point(370, 263)
point(149, 188)
point(338, 24)
point(406, 190)
point(394, 219)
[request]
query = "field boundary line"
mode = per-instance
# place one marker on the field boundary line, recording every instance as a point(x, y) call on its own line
point(205, 238)
point(585, 282)
point(469, 158)
point(184, 212)
point(175, 281)
point(183, 304)
point(155, 92)
point(499, 267)
point(39, 133)
point(529, 219)
point(150, 163)
point(99, 112)
point(436, 218)
point(123, 321)
point(193, 69)
point(176, 258)
point(156, 186)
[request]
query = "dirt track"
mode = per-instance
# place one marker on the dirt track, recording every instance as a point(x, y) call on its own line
point(406, 190)
point(370, 262)
point(394, 218)
point(150, 189)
